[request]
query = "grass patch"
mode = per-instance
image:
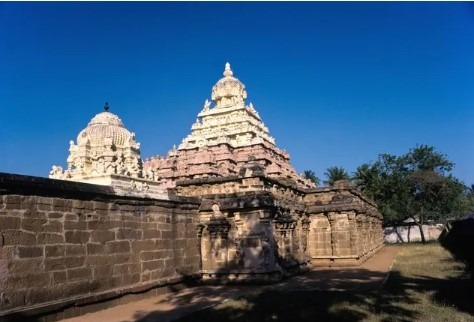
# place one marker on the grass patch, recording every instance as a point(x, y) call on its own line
point(425, 284)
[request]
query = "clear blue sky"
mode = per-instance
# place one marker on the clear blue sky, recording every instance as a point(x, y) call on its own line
point(336, 83)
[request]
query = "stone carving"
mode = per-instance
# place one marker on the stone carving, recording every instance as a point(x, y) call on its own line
point(104, 147)
point(56, 172)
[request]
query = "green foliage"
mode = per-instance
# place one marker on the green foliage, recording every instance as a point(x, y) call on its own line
point(310, 175)
point(417, 184)
point(334, 174)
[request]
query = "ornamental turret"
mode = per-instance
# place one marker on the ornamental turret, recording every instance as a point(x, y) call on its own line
point(230, 120)
point(228, 91)
point(104, 147)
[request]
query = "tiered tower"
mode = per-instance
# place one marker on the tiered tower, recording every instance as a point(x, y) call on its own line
point(226, 135)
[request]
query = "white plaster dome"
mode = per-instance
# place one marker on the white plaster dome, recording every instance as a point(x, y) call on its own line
point(106, 129)
point(228, 87)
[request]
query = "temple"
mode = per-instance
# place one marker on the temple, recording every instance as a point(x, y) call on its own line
point(224, 206)
point(259, 219)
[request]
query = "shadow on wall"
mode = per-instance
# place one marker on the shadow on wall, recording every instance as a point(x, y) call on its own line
point(19, 317)
point(458, 239)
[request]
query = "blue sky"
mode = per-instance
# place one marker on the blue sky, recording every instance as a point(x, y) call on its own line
point(336, 83)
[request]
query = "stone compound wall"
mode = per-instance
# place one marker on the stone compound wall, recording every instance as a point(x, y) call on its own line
point(66, 244)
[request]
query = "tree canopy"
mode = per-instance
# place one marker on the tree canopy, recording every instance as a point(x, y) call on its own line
point(310, 175)
point(334, 174)
point(417, 185)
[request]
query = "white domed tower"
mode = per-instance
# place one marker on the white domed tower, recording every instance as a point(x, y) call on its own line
point(104, 147)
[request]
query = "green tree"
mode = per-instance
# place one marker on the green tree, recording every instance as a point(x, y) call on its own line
point(310, 175)
point(416, 185)
point(334, 174)
point(365, 178)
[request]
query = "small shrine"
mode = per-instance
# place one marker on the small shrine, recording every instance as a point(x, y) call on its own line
point(107, 153)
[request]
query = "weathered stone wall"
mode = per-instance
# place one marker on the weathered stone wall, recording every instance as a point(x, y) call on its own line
point(63, 241)
point(247, 238)
point(345, 227)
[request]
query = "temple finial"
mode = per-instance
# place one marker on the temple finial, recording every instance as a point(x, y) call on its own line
point(228, 71)
point(106, 106)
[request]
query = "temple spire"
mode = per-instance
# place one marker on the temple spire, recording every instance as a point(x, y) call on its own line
point(228, 71)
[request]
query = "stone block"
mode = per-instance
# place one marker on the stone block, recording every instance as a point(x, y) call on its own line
point(100, 205)
point(75, 225)
point(121, 258)
point(22, 267)
point(83, 273)
point(78, 204)
point(127, 233)
point(71, 217)
point(53, 226)
point(142, 245)
point(114, 247)
point(166, 234)
point(30, 251)
point(13, 299)
point(55, 215)
point(130, 224)
point(145, 277)
point(103, 272)
point(102, 236)
point(62, 263)
point(164, 227)
point(18, 282)
point(49, 239)
point(130, 279)
point(41, 295)
point(121, 269)
point(151, 233)
point(95, 248)
point(163, 244)
point(98, 225)
point(152, 255)
point(54, 250)
point(33, 224)
point(153, 265)
point(75, 250)
point(77, 237)
point(98, 260)
point(17, 237)
point(7, 222)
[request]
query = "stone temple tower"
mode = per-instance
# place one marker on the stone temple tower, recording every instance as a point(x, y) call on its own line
point(107, 153)
point(227, 135)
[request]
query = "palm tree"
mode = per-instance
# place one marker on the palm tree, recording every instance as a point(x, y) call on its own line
point(334, 174)
point(310, 175)
point(364, 176)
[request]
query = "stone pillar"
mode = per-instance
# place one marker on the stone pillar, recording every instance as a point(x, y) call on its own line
point(305, 224)
point(319, 237)
point(218, 232)
point(334, 240)
point(354, 234)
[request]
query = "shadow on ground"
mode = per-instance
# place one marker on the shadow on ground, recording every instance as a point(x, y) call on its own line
point(324, 295)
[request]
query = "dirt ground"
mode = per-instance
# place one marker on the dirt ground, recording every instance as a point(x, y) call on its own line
point(371, 274)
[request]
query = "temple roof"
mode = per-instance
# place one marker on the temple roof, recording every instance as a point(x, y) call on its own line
point(228, 87)
point(106, 128)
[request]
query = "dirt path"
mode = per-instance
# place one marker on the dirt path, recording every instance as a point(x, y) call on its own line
point(369, 275)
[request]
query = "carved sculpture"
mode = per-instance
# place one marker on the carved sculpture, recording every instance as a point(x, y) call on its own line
point(104, 147)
